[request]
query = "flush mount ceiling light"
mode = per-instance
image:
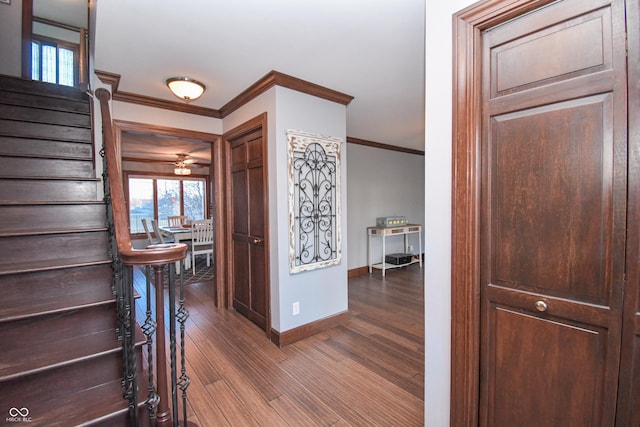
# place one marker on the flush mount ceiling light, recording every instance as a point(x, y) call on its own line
point(186, 88)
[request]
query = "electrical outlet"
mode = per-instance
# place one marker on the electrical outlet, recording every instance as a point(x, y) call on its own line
point(296, 308)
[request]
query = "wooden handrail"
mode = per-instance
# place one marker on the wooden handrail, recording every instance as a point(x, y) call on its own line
point(157, 256)
point(153, 255)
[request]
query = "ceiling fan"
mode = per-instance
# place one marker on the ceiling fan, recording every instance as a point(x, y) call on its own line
point(183, 165)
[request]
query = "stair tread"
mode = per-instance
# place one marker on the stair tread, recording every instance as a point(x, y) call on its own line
point(49, 202)
point(43, 231)
point(55, 264)
point(81, 287)
point(46, 90)
point(100, 404)
point(60, 339)
point(49, 178)
point(19, 361)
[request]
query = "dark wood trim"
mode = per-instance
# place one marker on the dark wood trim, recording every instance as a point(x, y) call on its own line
point(465, 252)
point(149, 101)
point(359, 271)
point(382, 146)
point(285, 338)
point(56, 24)
point(217, 203)
point(630, 361)
point(259, 121)
point(216, 184)
point(27, 32)
point(275, 78)
point(165, 130)
point(110, 79)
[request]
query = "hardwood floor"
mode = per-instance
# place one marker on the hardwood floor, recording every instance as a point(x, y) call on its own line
point(368, 372)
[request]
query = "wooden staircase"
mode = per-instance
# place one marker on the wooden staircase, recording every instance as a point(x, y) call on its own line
point(60, 358)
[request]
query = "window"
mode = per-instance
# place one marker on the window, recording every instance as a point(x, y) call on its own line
point(162, 197)
point(54, 61)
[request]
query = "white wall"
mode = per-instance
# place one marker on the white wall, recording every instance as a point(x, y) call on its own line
point(322, 292)
point(11, 37)
point(438, 210)
point(382, 183)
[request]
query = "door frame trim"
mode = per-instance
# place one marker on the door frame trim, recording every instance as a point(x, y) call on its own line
point(259, 121)
point(468, 25)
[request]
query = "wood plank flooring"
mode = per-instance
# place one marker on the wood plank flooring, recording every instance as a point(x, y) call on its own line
point(368, 372)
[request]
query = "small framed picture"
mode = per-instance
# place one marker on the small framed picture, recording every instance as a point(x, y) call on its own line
point(5, 1)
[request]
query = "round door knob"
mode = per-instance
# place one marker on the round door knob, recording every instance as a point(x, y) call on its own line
point(541, 306)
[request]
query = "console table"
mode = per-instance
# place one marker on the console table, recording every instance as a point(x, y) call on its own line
point(384, 232)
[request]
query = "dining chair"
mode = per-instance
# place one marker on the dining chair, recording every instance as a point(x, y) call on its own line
point(201, 240)
point(146, 230)
point(156, 230)
point(176, 220)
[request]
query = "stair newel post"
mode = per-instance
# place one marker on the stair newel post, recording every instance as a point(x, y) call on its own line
point(163, 416)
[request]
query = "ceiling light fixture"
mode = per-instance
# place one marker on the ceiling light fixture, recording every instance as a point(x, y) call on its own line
point(182, 166)
point(186, 88)
point(182, 170)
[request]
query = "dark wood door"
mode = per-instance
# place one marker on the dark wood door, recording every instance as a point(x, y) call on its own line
point(553, 215)
point(248, 231)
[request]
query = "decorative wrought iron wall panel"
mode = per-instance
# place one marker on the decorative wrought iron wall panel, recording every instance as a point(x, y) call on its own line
point(315, 239)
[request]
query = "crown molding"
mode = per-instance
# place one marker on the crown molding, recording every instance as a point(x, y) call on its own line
point(149, 101)
point(113, 80)
point(110, 79)
point(373, 144)
point(275, 78)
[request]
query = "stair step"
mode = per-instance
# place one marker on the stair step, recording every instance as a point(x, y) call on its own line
point(46, 148)
point(41, 115)
point(81, 287)
point(48, 90)
point(49, 265)
point(44, 102)
point(59, 338)
point(44, 131)
point(48, 189)
point(39, 250)
point(43, 218)
point(33, 166)
point(85, 393)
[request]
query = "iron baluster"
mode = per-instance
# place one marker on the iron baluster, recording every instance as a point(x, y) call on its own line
point(149, 328)
point(184, 380)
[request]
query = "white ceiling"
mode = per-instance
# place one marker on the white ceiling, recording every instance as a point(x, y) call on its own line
point(372, 50)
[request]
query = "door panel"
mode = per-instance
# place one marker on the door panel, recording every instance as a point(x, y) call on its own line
point(552, 174)
point(248, 236)
point(553, 216)
point(522, 389)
